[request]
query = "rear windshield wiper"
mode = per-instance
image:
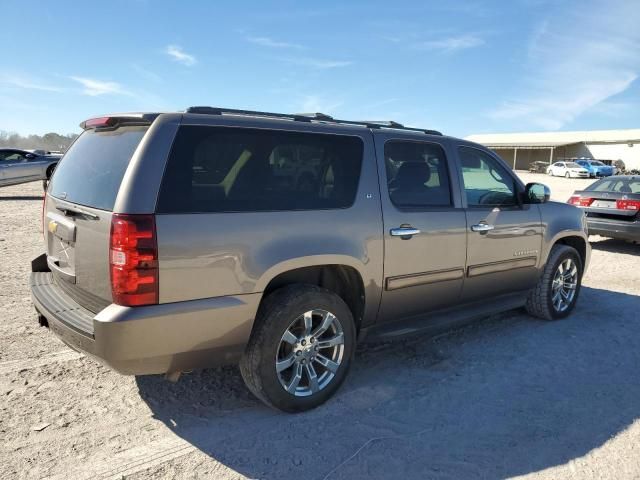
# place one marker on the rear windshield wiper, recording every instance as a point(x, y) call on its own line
point(71, 210)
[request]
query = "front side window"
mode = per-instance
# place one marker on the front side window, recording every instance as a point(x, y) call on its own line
point(417, 174)
point(223, 169)
point(486, 182)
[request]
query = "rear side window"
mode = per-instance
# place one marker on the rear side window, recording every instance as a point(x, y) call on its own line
point(91, 171)
point(417, 174)
point(222, 169)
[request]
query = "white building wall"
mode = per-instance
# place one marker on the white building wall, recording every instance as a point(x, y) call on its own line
point(617, 151)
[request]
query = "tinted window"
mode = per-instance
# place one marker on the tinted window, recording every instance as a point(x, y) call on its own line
point(486, 181)
point(92, 170)
point(12, 156)
point(618, 185)
point(416, 174)
point(213, 169)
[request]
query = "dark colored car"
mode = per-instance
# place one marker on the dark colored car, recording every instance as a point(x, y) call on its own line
point(612, 206)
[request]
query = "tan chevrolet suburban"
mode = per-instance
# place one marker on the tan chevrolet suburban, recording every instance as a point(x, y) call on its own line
point(212, 236)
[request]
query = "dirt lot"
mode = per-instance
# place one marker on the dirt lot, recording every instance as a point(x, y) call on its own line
point(507, 397)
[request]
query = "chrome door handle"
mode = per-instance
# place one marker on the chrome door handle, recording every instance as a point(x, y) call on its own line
point(481, 227)
point(404, 232)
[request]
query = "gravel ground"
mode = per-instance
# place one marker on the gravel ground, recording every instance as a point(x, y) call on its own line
point(507, 397)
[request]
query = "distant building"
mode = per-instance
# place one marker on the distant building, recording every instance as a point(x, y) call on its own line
point(520, 149)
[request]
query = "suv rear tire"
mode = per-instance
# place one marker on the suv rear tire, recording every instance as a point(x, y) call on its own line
point(301, 348)
point(556, 293)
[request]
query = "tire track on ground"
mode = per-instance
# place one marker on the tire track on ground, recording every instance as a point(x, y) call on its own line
point(29, 363)
point(130, 461)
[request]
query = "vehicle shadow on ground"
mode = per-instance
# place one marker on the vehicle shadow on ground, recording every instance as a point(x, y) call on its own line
point(20, 198)
point(503, 397)
point(616, 246)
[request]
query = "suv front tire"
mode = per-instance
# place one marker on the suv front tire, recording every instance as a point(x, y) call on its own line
point(556, 293)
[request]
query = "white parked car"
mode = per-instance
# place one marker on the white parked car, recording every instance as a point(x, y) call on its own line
point(568, 170)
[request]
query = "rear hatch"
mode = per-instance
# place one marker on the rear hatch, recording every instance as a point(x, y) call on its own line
point(79, 205)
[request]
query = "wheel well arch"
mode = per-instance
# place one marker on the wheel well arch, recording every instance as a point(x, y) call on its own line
point(50, 170)
point(345, 281)
point(576, 242)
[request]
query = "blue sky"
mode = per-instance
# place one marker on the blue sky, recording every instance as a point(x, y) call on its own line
point(462, 67)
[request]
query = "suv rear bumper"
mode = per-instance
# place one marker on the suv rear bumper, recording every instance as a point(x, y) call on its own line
point(163, 338)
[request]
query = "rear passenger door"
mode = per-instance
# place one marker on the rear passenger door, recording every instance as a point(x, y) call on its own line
point(424, 225)
point(504, 236)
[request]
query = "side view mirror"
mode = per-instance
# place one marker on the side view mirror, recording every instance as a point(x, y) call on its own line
point(536, 193)
point(30, 156)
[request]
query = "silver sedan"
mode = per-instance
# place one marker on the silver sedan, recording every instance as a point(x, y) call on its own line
point(21, 166)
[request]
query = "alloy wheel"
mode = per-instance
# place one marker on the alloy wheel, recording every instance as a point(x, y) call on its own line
point(565, 283)
point(310, 353)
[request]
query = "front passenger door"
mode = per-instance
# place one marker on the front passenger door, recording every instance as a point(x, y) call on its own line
point(504, 236)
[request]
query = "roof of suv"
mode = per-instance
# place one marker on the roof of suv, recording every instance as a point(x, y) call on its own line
point(296, 117)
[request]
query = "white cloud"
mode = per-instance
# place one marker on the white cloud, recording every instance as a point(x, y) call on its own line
point(613, 109)
point(576, 60)
point(17, 80)
point(180, 56)
point(451, 44)
point(145, 73)
point(316, 63)
point(316, 103)
point(94, 88)
point(271, 43)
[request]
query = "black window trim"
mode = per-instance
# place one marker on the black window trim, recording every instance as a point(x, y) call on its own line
point(270, 129)
point(423, 208)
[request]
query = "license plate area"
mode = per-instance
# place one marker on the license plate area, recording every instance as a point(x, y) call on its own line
point(604, 204)
point(61, 237)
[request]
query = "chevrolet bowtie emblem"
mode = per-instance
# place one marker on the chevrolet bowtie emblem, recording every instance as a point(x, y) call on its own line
point(53, 226)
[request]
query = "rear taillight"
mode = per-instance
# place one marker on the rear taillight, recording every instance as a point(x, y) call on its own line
point(133, 260)
point(579, 201)
point(628, 204)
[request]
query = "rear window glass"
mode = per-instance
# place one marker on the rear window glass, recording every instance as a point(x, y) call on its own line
point(91, 171)
point(617, 185)
point(222, 169)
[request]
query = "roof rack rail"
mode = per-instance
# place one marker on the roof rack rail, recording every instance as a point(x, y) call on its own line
point(308, 117)
point(317, 116)
point(384, 123)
